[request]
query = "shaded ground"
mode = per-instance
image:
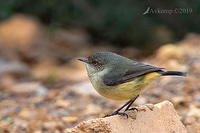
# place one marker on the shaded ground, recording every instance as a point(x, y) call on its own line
point(45, 89)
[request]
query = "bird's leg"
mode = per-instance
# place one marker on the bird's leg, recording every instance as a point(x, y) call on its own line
point(117, 111)
point(130, 103)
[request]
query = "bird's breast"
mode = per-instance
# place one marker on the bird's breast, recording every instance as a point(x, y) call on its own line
point(123, 91)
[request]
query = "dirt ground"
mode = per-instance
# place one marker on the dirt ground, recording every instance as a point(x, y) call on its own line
point(45, 89)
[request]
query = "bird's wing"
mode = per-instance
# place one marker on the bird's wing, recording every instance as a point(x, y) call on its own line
point(117, 76)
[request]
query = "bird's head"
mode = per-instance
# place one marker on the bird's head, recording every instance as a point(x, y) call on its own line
point(99, 61)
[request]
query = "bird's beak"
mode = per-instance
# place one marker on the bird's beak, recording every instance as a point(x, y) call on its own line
point(83, 60)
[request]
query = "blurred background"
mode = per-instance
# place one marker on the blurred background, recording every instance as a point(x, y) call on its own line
point(43, 88)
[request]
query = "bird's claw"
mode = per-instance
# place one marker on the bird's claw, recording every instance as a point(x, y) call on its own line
point(108, 115)
point(134, 108)
point(117, 113)
point(123, 114)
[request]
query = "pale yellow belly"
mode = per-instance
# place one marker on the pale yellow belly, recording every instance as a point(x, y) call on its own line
point(126, 90)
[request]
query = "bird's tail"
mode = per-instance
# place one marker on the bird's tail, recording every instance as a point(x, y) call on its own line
point(175, 73)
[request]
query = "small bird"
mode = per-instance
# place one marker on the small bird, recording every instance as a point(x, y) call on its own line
point(119, 78)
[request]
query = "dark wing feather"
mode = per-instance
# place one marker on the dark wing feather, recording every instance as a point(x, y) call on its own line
point(125, 75)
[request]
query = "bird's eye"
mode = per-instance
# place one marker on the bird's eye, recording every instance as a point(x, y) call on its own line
point(95, 63)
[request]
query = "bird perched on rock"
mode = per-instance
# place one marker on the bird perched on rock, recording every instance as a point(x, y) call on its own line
point(119, 78)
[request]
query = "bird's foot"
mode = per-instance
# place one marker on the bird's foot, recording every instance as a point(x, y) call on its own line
point(123, 114)
point(134, 108)
point(117, 113)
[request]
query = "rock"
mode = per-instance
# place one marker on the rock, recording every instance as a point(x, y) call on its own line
point(192, 125)
point(176, 65)
point(53, 125)
point(195, 112)
point(170, 51)
point(62, 103)
point(13, 67)
point(28, 88)
point(91, 126)
point(26, 113)
point(161, 118)
point(19, 30)
point(179, 101)
point(69, 119)
point(23, 38)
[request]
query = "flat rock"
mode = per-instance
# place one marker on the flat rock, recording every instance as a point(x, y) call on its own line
point(158, 118)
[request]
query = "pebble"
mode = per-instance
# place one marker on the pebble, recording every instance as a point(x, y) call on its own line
point(69, 119)
point(62, 103)
point(195, 112)
point(13, 67)
point(170, 51)
point(179, 100)
point(28, 88)
point(26, 113)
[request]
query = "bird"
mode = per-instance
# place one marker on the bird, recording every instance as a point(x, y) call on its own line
point(119, 78)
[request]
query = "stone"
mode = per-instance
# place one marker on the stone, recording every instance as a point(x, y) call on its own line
point(19, 30)
point(13, 67)
point(160, 118)
point(170, 51)
point(195, 112)
point(26, 113)
point(69, 119)
point(29, 88)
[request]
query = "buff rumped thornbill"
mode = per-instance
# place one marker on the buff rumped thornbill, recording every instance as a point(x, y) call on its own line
point(119, 78)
